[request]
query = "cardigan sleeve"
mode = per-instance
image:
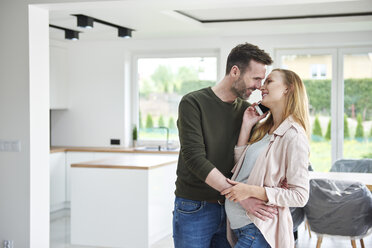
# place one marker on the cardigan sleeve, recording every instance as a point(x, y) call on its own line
point(238, 152)
point(297, 160)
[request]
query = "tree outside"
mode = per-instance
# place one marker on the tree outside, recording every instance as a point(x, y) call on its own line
point(162, 84)
point(316, 73)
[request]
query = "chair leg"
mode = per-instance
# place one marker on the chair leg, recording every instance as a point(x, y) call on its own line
point(362, 243)
point(308, 227)
point(318, 244)
point(353, 244)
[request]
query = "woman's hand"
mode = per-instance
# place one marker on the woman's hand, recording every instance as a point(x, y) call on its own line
point(251, 117)
point(238, 192)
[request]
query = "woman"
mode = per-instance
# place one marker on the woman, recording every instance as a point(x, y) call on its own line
point(271, 165)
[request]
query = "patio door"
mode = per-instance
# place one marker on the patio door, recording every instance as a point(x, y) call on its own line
point(316, 69)
point(339, 86)
point(356, 75)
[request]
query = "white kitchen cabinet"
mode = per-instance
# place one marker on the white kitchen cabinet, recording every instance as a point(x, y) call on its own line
point(58, 78)
point(101, 155)
point(123, 201)
point(72, 158)
point(57, 181)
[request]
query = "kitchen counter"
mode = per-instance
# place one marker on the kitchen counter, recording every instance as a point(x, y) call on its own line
point(123, 201)
point(131, 161)
point(55, 149)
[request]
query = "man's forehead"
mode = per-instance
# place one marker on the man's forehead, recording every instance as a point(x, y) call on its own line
point(258, 72)
point(256, 67)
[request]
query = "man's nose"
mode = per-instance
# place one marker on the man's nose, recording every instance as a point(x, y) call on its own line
point(258, 85)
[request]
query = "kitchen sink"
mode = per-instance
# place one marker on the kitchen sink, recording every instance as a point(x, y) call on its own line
point(156, 148)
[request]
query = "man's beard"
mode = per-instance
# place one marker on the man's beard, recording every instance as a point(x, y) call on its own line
point(239, 89)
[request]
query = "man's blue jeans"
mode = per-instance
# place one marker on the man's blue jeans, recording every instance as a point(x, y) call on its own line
point(199, 224)
point(249, 236)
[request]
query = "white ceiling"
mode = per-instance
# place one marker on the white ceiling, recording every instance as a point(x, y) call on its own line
point(158, 19)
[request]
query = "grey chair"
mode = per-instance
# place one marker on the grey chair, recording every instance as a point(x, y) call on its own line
point(340, 208)
point(298, 216)
point(353, 165)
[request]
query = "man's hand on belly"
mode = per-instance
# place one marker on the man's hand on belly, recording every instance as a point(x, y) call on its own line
point(258, 208)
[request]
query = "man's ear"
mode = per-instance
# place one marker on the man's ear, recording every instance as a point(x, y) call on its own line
point(235, 72)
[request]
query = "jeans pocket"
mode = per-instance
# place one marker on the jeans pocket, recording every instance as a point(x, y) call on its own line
point(186, 206)
point(249, 232)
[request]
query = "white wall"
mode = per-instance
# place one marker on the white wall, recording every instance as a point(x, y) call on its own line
point(24, 108)
point(24, 198)
point(100, 85)
point(95, 97)
point(15, 123)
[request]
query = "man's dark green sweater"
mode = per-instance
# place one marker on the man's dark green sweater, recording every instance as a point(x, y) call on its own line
point(208, 130)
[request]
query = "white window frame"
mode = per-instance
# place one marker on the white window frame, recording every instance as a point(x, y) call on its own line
point(340, 61)
point(162, 54)
point(337, 96)
point(337, 88)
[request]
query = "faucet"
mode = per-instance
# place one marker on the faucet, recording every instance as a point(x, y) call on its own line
point(167, 141)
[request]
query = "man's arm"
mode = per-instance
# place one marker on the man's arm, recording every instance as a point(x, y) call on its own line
point(193, 147)
point(217, 180)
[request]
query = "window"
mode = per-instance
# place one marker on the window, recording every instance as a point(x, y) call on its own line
point(339, 86)
point(357, 77)
point(319, 93)
point(318, 71)
point(161, 84)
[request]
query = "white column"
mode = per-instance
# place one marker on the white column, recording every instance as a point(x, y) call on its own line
point(39, 126)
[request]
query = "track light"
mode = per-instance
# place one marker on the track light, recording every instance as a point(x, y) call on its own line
point(87, 22)
point(84, 21)
point(69, 33)
point(124, 32)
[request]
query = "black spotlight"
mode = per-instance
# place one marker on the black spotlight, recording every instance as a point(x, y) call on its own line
point(84, 21)
point(71, 35)
point(124, 32)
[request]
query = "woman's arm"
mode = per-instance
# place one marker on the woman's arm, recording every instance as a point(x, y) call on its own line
point(242, 191)
point(296, 192)
point(297, 157)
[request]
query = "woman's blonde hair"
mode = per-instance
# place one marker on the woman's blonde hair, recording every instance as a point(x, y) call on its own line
point(296, 105)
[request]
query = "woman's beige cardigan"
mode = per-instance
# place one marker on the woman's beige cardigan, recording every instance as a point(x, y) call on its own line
point(287, 156)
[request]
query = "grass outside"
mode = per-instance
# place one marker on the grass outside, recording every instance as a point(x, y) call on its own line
point(320, 154)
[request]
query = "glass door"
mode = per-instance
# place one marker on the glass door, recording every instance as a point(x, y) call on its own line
point(357, 79)
point(316, 69)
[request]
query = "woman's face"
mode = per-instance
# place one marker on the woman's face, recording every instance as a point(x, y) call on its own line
point(274, 90)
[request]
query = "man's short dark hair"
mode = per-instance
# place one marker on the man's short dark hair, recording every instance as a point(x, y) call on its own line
point(242, 54)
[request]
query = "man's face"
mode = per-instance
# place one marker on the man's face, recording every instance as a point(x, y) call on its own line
point(250, 80)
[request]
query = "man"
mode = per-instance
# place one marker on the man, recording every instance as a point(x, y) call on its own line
point(209, 123)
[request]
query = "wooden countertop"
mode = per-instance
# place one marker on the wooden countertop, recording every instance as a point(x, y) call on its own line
point(55, 149)
point(131, 161)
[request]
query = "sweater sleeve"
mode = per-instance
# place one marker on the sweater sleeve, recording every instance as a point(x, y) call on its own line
point(191, 139)
point(297, 159)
